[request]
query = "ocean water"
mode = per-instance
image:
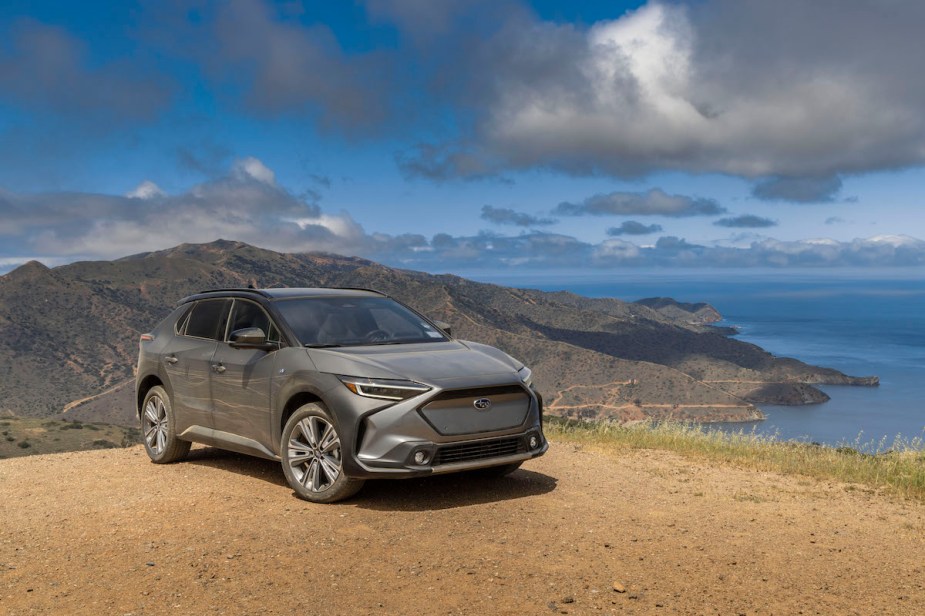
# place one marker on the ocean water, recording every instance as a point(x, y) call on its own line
point(872, 325)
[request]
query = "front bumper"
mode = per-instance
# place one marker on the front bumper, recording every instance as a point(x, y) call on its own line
point(399, 441)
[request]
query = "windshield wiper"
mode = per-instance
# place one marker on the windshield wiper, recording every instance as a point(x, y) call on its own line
point(321, 346)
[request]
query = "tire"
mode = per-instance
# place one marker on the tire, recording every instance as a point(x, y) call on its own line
point(311, 456)
point(502, 470)
point(158, 428)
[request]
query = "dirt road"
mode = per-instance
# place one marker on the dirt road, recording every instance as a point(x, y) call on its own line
point(106, 532)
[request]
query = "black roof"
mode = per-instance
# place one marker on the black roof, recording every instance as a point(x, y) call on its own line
point(283, 293)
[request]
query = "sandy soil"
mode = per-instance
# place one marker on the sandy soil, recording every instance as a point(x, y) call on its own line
point(106, 532)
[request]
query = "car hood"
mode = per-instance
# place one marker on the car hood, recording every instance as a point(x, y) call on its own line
point(433, 362)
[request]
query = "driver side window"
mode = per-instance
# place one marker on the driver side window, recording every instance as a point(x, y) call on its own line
point(247, 314)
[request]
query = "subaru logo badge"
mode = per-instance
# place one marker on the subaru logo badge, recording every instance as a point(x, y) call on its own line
point(482, 404)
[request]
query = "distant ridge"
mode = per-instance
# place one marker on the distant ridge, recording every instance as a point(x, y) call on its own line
point(71, 333)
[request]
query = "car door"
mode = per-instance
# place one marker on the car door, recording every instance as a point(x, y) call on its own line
point(241, 380)
point(188, 362)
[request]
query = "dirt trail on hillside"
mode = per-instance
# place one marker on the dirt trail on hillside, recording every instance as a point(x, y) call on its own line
point(106, 532)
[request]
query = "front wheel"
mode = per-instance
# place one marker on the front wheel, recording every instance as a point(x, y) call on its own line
point(312, 457)
point(158, 426)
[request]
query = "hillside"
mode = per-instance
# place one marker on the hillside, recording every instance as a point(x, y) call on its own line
point(21, 436)
point(219, 534)
point(68, 335)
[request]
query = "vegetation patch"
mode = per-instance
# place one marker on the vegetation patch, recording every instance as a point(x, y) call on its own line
point(33, 436)
point(898, 466)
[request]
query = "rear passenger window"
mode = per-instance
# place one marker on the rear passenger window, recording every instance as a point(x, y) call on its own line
point(181, 322)
point(207, 320)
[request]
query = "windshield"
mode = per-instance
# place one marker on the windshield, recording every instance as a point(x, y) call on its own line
point(353, 321)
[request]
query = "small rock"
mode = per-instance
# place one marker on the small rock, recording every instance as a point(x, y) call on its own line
point(568, 600)
point(149, 563)
point(618, 587)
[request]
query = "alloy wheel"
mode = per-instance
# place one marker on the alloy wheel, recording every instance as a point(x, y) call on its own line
point(155, 424)
point(314, 454)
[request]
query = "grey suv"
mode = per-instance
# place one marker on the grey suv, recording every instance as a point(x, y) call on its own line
point(339, 385)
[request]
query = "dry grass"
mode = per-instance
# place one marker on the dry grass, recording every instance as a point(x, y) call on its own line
point(898, 466)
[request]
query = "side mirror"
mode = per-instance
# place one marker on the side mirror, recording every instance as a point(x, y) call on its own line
point(445, 327)
point(249, 337)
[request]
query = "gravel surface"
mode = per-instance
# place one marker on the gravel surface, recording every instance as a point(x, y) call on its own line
point(578, 531)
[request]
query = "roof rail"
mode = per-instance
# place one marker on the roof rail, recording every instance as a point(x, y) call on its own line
point(267, 292)
point(377, 292)
point(241, 289)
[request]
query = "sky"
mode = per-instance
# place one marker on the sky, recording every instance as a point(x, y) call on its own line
point(448, 136)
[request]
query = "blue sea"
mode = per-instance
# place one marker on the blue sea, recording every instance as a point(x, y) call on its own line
point(872, 325)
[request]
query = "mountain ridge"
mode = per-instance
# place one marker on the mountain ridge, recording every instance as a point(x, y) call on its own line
point(69, 333)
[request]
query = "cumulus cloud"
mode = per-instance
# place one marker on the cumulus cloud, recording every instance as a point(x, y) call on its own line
point(746, 221)
point(245, 204)
point(279, 62)
point(619, 251)
point(537, 250)
point(781, 90)
point(46, 67)
point(507, 216)
point(632, 227)
point(252, 168)
point(654, 202)
point(146, 190)
point(798, 189)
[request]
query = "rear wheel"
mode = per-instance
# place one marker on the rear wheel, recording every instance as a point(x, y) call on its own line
point(312, 457)
point(158, 426)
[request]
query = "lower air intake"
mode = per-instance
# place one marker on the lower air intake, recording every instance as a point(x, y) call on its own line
point(481, 450)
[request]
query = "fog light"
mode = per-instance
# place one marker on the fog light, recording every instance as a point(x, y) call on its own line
point(420, 457)
point(534, 441)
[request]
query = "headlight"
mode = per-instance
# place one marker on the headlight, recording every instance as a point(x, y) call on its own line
point(526, 375)
point(384, 389)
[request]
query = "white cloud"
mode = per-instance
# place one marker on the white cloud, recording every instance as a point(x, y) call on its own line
point(789, 92)
point(654, 202)
point(146, 190)
point(615, 250)
point(245, 206)
point(253, 168)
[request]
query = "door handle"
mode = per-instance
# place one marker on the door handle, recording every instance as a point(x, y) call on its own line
point(170, 359)
point(218, 368)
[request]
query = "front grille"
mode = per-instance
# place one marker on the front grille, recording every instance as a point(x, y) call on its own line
point(478, 392)
point(453, 412)
point(480, 450)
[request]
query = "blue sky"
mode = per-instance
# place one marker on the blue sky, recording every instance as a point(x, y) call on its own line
point(447, 136)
